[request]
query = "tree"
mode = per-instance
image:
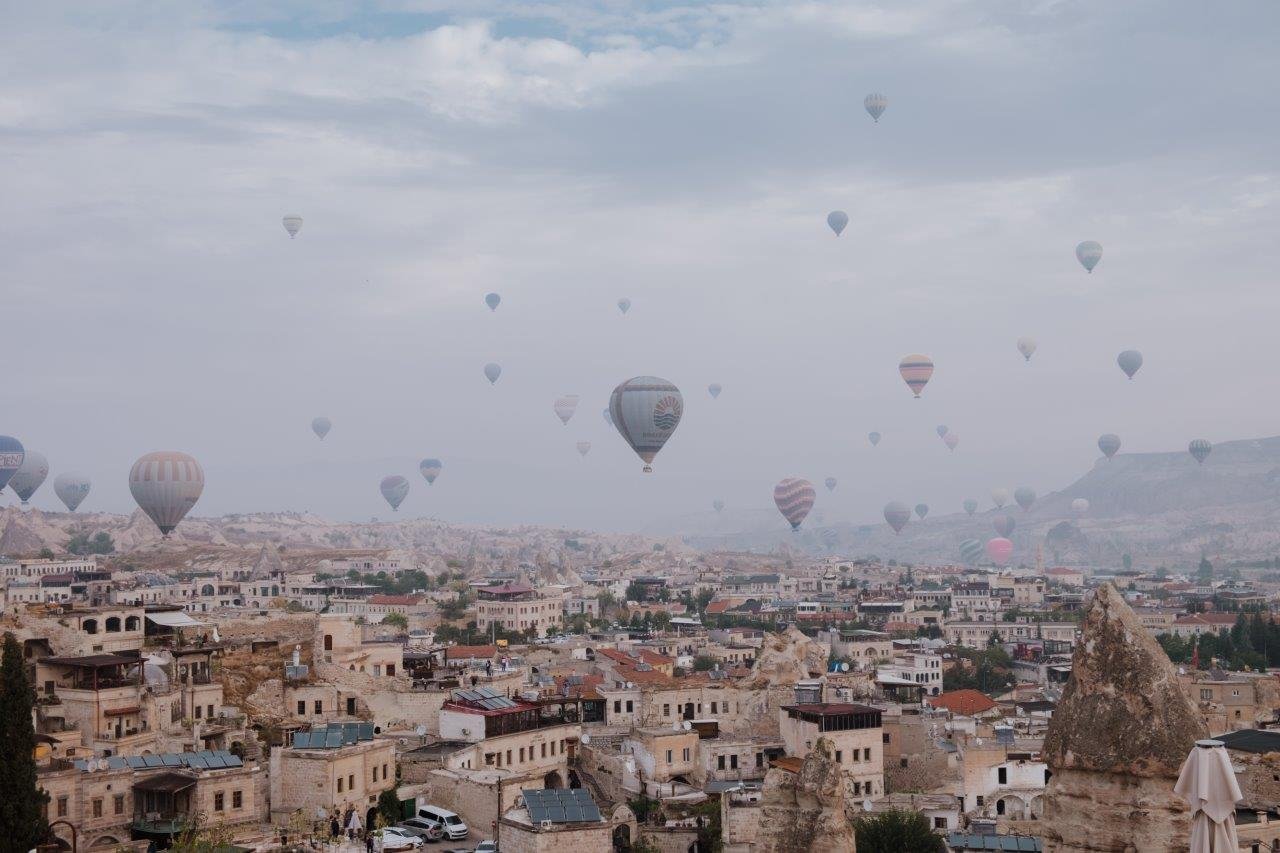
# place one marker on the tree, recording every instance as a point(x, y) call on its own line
point(662, 620)
point(396, 620)
point(895, 831)
point(46, 553)
point(704, 663)
point(21, 800)
point(1204, 574)
point(82, 544)
point(389, 808)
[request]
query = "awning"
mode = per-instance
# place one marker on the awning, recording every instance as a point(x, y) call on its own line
point(121, 712)
point(168, 782)
point(173, 619)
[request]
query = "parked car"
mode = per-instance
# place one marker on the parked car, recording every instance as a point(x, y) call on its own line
point(486, 847)
point(393, 838)
point(452, 825)
point(429, 831)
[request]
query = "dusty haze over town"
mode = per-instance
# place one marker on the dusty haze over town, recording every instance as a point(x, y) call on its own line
point(569, 154)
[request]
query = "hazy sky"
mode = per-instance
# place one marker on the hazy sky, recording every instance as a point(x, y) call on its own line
point(566, 154)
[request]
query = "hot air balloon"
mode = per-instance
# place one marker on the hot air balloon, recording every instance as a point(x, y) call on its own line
point(970, 506)
point(922, 510)
point(1079, 506)
point(714, 389)
point(1027, 346)
point(837, 220)
point(1129, 360)
point(717, 505)
point(11, 455)
point(492, 300)
point(166, 485)
point(874, 438)
point(492, 372)
point(394, 489)
point(916, 370)
point(830, 483)
point(951, 440)
point(1199, 448)
point(30, 475)
point(875, 104)
point(321, 426)
point(584, 447)
point(292, 224)
point(794, 497)
point(624, 305)
point(430, 469)
point(941, 430)
point(999, 551)
point(1088, 254)
point(71, 489)
point(1109, 443)
point(970, 550)
point(646, 411)
point(1025, 496)
point(1004, 524)
point(897, 514)
point(999, 497)
point(565, 407)
point(608, 417)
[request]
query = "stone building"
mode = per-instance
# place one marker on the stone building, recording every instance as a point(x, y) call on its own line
point(518, 607)
point(331, 767)
point(854, 733)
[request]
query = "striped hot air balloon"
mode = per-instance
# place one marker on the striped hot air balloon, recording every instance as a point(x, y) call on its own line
point(394, 489)
point(565, 407)
point(875, 104)
point(897, 514)
point(166, 485)
point(292, 224)
point(916, 370)
point(11, 456)
point(1004, 525)
point(971, 550)
point(646, 411)
point(71, 489)
point(794, 497)
point(1199, 449)
point(1088, 254)
point(1109, 443)
point(430, 469)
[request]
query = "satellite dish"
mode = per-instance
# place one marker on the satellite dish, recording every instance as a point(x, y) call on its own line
point(586, 739)
point(844, 666)
point(687, 725)
point(866, 805)
point(420, 731)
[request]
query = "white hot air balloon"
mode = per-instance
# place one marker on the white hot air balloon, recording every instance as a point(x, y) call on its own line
point(565, 407)
point(30, 475)
point(166, 485)
point(1080, 506)
point(71, 488)
point(875, 105)
point(646, 411)
point(1088, 254)
point(293, 224)
point(1027, 346)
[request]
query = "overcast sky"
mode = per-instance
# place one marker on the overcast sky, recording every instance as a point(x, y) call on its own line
point(566, 154)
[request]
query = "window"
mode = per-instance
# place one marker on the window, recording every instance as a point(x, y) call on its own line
point(118, 804)
point(341, 782)
point(302, 707)
point(1206, 694)
point(384, 773)
point(713, 707)
point(319, 706)
point(351, 782)
point(885, 737)
point(733, 762)
point(866, 754)
point(237, 799)
point(720, 761)
point(666, 710)
point(668, 756)
point(759, 759)
point(522, 755)
point(198, 711)
point(630, 706)
point(219, 801)
point(857, 789)
point(508, 757)
point(839, 756)
point(1002, 775)
point(544, 750)
point(209, 713)
point(617, 706)
point(939, 823)
point(391, 669)
point(62, 806)
point(685, 755)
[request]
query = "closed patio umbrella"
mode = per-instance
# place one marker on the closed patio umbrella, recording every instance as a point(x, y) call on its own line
point(1209, 786)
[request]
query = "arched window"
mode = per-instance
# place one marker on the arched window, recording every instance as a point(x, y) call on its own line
point(113, 624)
point(207, 589)
point(90, 626)
point(131, 623)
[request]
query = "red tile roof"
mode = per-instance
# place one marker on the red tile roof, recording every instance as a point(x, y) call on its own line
point(468, 652)
point(645, 656)
point(719, 606)
point(963, 702)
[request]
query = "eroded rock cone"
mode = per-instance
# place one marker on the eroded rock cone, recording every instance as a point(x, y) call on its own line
point(804, 812)
point(1117, 739)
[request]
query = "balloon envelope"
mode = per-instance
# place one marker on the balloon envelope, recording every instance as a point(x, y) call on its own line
point(897, 514)
point(999, 551)
point(71, 488)
point(608, 417)
point(916, 370)
point(430, 469)
point(970, 507)
point(1129, 360)
point(1025, 496)
point(875, 105)
point(1088, 254)
point(970, 550)
point(922, 510)
point(717, 505)
point(166, 485)
point(1199, 449)
point(584, 447)
point(565, 407)
point(394, 489)
point(874, 438)
point(11, 455)
point(321, 426)
point(999, 497)
point(1109, 443)
point(951, 440)
point(830, 483)
point(837, 220)
point(492, 372)
point(1027, 346)
point(1004, 524)
point(492, 300)
point(941, 430)
point(30, 475)
point(714, 389)
point(646, 411)
point(624, 305)
point(794, 498)
point(293, 224)
point(1080, 506)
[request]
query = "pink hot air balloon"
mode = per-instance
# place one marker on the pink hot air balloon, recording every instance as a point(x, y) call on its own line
point(999, 550)
point(794, 497)
point(916, 370)
point(951, 440)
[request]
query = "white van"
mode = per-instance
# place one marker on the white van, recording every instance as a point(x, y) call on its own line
point(450, 824)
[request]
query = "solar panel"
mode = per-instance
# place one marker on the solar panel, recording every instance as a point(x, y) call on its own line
point(213, 761)
point(350, 732)
point(301, 740)
point(366, 731)
point(231, 760)
point(171, 759)
point(152, 760)
point(115, 762)
point(135, 761)
point(561, 805)
point(333, 739)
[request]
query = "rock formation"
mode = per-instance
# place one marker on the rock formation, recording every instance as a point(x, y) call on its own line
point(804, 812)
point(787, 658)
point(1116, 742)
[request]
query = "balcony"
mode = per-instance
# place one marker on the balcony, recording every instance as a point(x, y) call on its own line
point(158, 824)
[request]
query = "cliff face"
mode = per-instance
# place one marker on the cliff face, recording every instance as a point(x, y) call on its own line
point(805, 812)
point(1116, 742)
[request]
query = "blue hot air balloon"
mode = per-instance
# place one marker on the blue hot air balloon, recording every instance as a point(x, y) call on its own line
point(837, 220)
point(11, 456)
point(492, 300)
point(492, 371)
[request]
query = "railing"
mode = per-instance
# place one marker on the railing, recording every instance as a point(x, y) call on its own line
point(160, 824)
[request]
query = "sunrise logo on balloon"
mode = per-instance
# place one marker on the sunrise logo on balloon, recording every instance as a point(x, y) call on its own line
point(666, 414)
